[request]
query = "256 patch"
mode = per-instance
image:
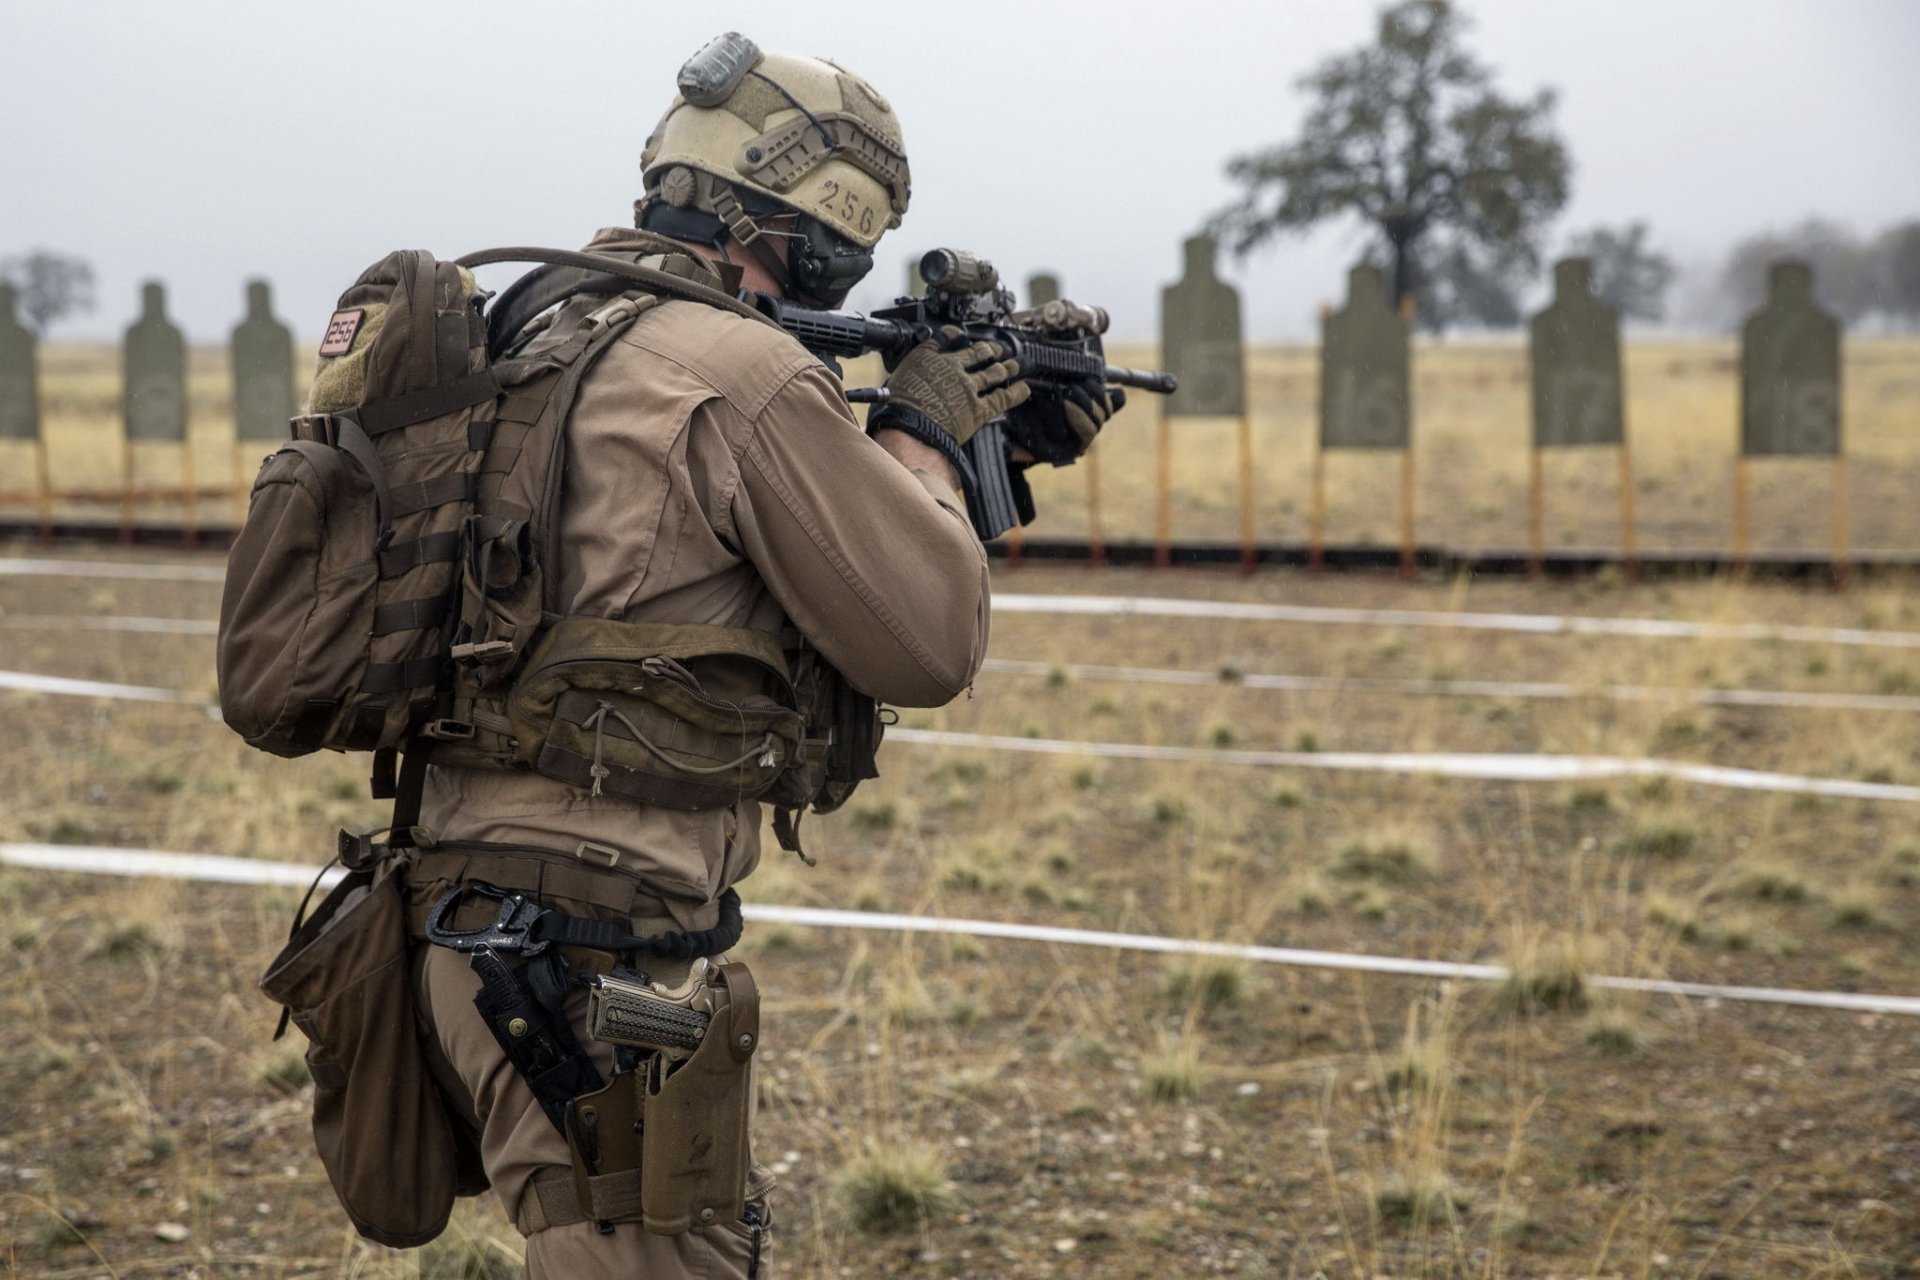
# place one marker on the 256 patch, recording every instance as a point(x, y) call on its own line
point(341, 330)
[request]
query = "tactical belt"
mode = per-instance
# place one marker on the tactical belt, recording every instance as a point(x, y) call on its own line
point(523, 927)
point(590, 874)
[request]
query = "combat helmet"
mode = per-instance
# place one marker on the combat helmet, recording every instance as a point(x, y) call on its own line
point(752, 135)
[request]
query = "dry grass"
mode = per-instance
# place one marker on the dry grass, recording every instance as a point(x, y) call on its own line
point(889, 1187)
point(1545, 972)
point(1125, 1105)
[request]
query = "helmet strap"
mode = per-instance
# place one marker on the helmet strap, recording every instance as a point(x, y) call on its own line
point(747, 234)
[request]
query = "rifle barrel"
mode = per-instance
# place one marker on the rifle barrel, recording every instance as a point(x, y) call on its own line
point(1145, 379)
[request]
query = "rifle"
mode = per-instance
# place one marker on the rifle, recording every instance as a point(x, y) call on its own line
point(1057, 345)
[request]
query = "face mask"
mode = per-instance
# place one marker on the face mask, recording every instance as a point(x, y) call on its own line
point(824, 264)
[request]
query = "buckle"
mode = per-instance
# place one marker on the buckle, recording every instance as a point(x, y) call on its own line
point(510, 932)
point(615, 312)
point(448, 730)
point(484, 652)
point(588, 850)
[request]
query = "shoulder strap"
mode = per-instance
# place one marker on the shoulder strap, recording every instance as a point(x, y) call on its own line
point(536, 291)
point(655, 279)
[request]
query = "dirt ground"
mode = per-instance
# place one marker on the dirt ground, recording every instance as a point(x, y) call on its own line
point(1088, 1112)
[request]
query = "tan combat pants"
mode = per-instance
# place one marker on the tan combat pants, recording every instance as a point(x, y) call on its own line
point(518, 1143)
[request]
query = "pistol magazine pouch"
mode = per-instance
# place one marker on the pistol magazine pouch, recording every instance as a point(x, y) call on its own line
point(382, 1128)
point(684, 716)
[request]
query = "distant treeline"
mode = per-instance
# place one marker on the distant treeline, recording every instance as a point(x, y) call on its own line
point(1871, 279)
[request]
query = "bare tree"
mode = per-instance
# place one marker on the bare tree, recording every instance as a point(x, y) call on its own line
point(1627, 274)
point(1409, 135)
point(51, 286)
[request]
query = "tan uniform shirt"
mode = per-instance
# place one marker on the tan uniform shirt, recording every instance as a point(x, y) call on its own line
point(715, 475)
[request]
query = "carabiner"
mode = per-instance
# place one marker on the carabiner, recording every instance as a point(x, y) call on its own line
point(511, 933)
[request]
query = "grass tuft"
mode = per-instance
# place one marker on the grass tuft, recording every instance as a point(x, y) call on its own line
point(1590, 798)
point(877, 816)
point(1665, 832)
point(283, 1066)
point(1614, 1028)
point(1901, 867)
point(1676, 914)
point(1393, 854)
point(1215, 981)
point(1544, 974)
point(1765, 880)
point(890, 1186)
point(1287, 795)
point(1172, 1072)
point(1415, 1196)
point(1857, 905)
point(1169, 809)
point(1420, 1064)
point(128, 940)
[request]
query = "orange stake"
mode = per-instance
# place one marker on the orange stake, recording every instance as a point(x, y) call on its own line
point(1247, 556)
point(192, 513)
point(43, 487)
point(1406, 513)
point(1014, 536)
point(239, 486)
point(1163, 514)
point(1740, 514)
point(1096, 544)
point(1317, 512)
point(126, 490)
point(1536, 518)
point(1841, 549)
point(1629, 537)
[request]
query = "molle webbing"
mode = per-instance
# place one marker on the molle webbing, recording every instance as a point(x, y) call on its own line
point(382, 416)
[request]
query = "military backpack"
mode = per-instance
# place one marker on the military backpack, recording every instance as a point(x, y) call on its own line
point(389, 591)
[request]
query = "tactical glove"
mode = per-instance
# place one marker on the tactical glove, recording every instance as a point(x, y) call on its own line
point(955, 386)
point(1086, 406)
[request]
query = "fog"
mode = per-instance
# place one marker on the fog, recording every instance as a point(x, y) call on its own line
point(202, 143)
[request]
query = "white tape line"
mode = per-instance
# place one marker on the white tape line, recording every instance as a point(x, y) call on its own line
point(1163, 607)
point(1487, 766)
point(82, 622)
point(162, 866)
point(30, 683)
point(131, 569)
point(1462, 688)
point(1530, 623)
point(177, 866)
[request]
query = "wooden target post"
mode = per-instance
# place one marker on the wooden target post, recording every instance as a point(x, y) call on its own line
point(1200, 344)
point(1790, 399)
point(20, 405)
point(1366, 379)
point(1096, 542)
point(1578, 399)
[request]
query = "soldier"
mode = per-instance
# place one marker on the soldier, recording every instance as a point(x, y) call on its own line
point(714, 476)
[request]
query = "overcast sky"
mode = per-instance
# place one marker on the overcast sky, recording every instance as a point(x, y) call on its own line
point(205, 141)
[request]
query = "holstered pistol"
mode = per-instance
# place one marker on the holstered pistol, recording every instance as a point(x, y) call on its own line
point(693, 1092)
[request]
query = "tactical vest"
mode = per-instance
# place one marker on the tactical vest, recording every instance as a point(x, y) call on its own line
point(391, 587)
